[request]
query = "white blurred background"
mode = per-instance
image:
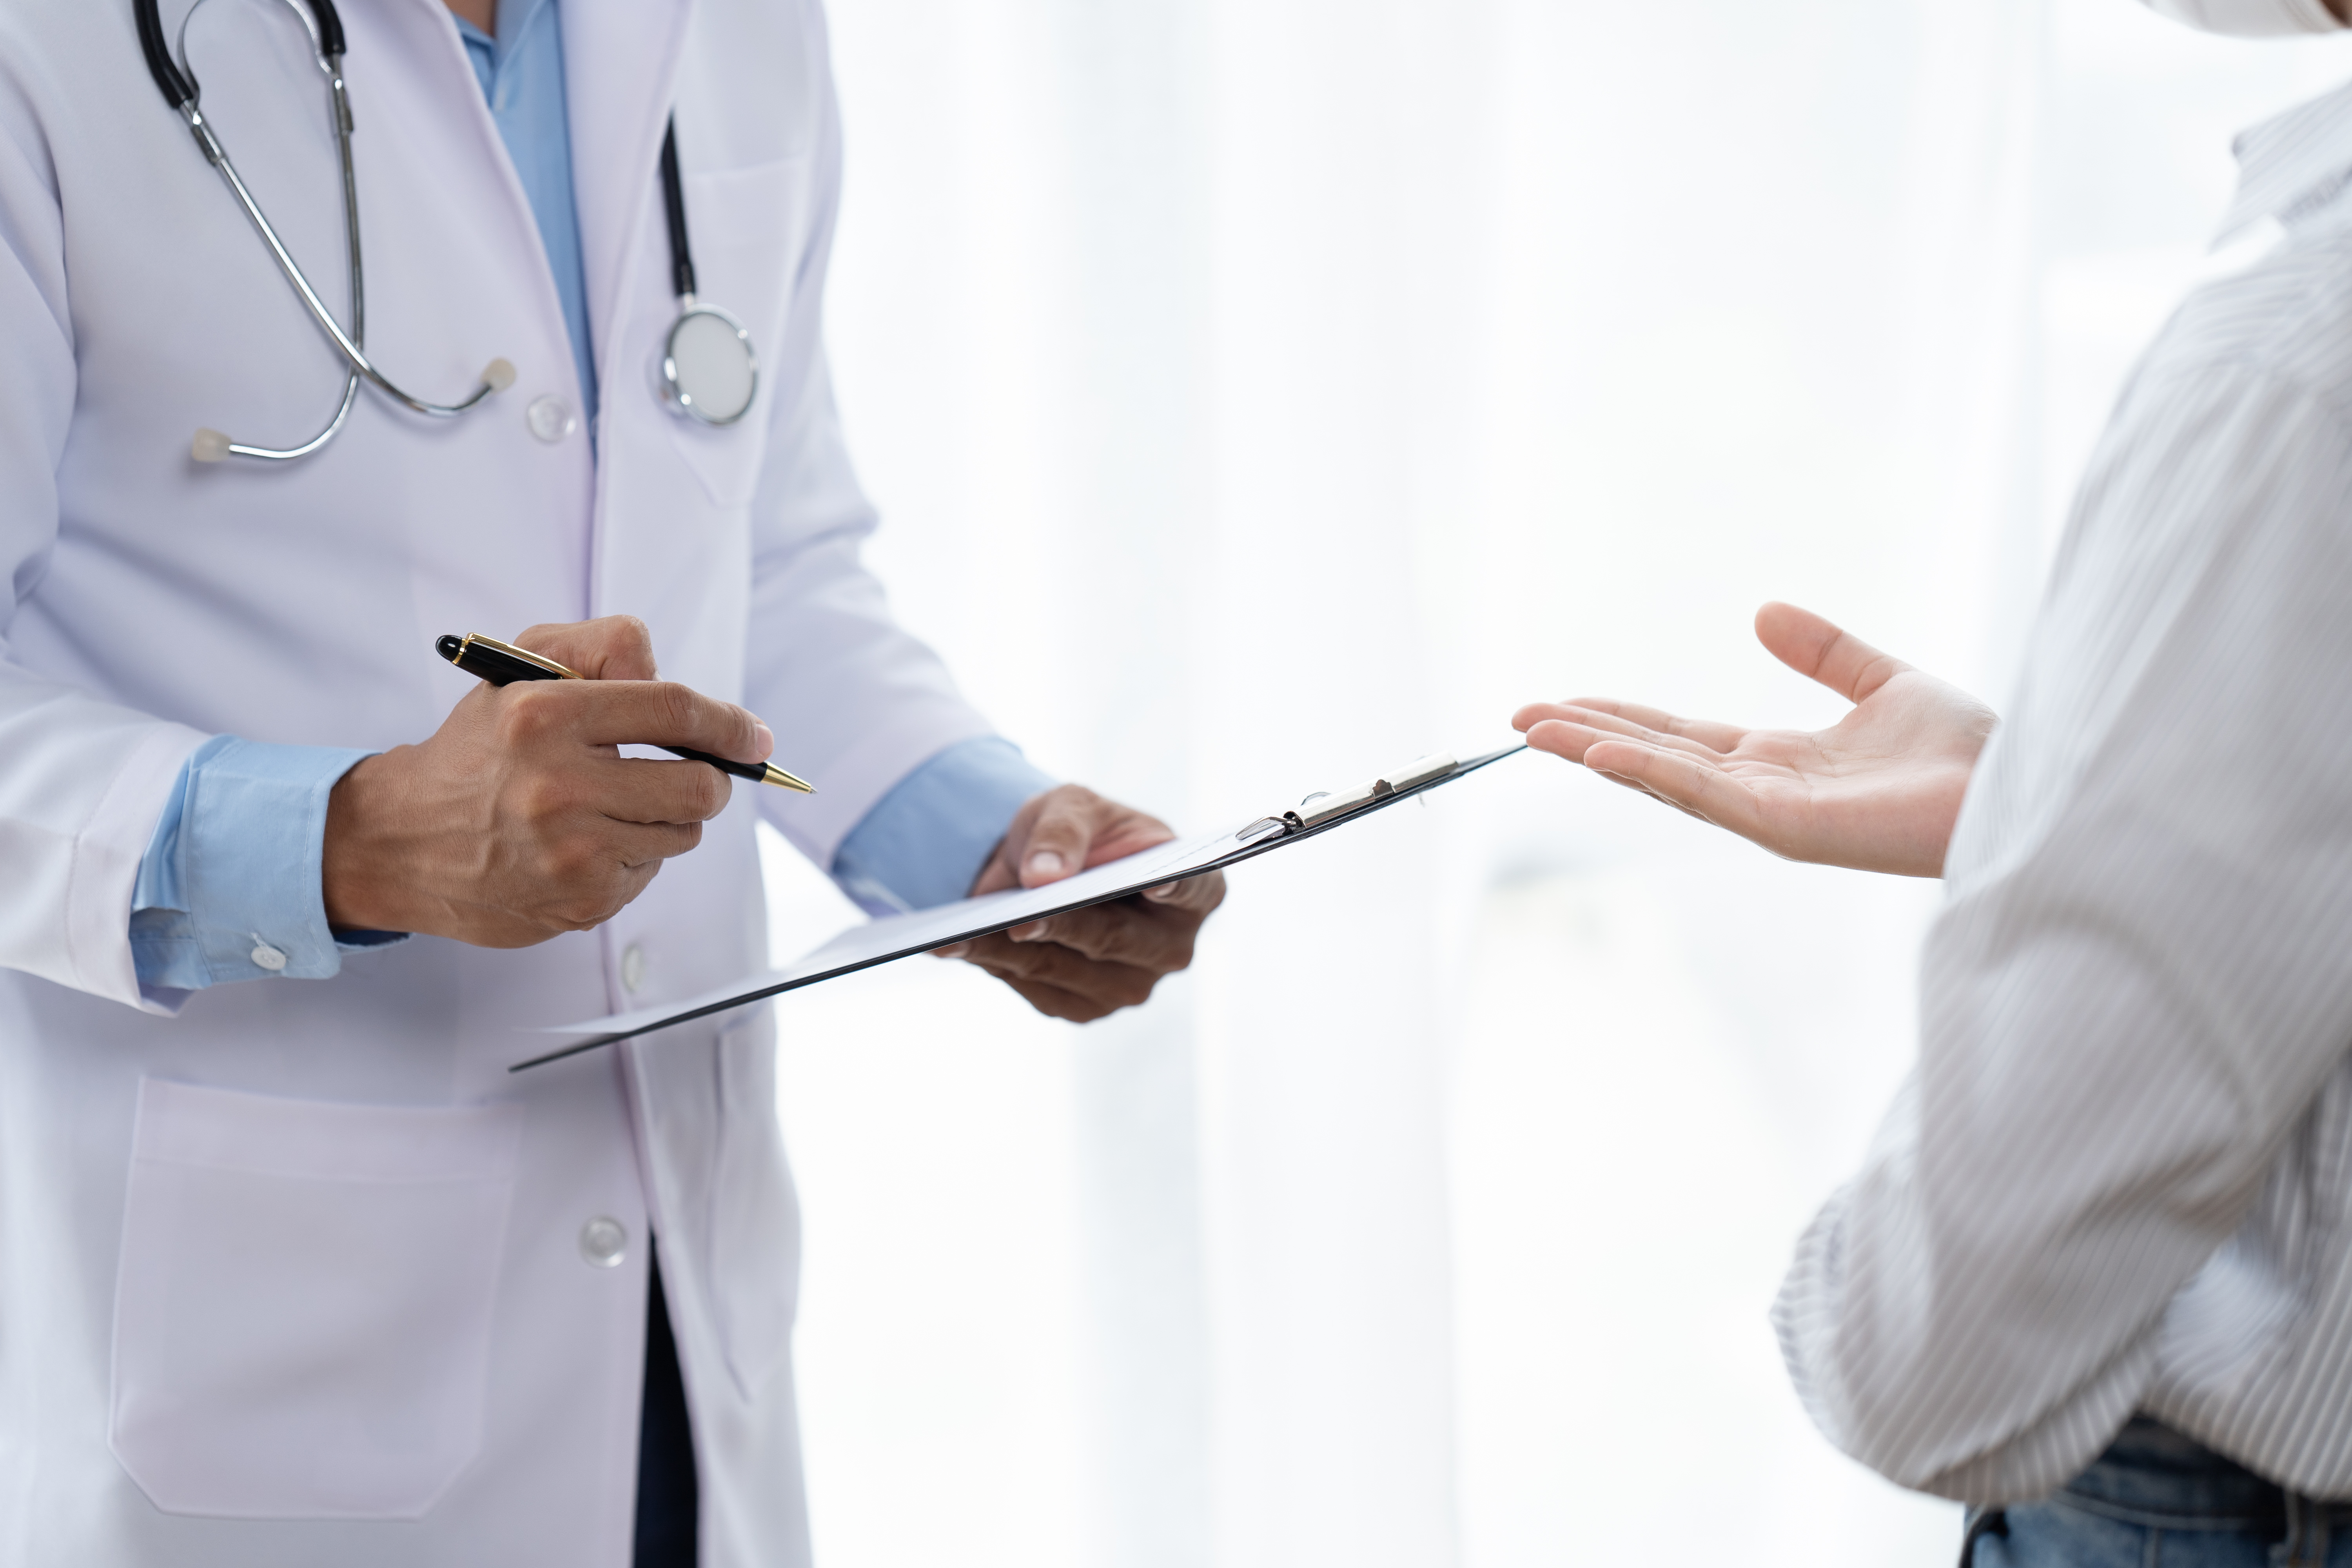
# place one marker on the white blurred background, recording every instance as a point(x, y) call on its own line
point(1260, 393)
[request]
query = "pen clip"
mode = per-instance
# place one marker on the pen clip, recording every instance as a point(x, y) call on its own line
point(523, 654)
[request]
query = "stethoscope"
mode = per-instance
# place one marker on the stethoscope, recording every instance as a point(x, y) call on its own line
point(708, 370)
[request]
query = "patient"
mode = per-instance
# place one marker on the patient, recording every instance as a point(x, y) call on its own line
point(2095, 1278)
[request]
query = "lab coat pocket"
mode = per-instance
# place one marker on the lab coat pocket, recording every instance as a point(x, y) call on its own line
point(755, 1221)
point(750, 228)
point(302, 1316)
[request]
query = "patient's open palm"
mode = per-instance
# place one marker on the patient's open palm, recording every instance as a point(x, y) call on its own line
point(1878, 791)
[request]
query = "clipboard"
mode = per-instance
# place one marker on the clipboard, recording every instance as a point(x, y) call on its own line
point(902, 936)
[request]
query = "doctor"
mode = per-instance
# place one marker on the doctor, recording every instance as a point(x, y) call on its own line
point(291, 1270)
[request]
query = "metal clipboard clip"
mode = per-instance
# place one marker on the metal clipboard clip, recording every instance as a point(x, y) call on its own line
point(1326, 805)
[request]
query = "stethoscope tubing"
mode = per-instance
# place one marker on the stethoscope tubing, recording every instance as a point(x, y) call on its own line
point(354, 355)
point(681, 249)
point(177, 81)
point(326, 29)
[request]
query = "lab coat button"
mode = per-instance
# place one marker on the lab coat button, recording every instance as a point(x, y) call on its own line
point(551, 418)
point(604, 1241)
point(633, 968)
point(267, 956)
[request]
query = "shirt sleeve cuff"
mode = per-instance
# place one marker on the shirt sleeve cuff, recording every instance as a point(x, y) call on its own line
point(229, 888)
point(923, 844)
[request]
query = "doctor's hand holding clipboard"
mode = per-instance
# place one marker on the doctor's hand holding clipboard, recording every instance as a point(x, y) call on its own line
point(1083, 964)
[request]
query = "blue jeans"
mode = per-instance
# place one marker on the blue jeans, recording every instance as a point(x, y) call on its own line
point(2155, 1499)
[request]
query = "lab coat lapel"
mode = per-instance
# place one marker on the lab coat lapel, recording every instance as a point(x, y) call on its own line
point(620, 60)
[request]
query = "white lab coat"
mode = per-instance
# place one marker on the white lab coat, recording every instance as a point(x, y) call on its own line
point(297, 1276)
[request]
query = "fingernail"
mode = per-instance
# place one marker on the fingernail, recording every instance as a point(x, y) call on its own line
point(1045, 863)
point(953, 950)
point(767, 737)
point(1029, 932)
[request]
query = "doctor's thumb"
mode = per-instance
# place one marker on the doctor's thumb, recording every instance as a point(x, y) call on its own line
point(1058, 840)
point(610, 648)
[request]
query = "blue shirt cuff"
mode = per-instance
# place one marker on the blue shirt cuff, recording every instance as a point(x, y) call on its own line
point(923, 844)
point(229, 887)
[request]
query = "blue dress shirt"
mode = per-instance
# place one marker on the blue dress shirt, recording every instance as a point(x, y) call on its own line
point(229, 889)
point(521, 73)
point(923, 844)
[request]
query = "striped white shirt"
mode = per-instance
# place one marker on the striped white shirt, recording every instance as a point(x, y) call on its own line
point(2120, 1177)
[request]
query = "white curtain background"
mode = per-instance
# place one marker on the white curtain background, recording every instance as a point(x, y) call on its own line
point(1261, 393)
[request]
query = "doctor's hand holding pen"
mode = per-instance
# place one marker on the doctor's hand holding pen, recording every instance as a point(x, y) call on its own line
point(1878, 791)
point(519, 819)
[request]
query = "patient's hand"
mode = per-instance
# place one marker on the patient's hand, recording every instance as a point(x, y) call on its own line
point(1878, 791)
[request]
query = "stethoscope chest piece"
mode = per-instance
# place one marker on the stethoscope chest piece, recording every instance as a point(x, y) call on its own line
point(708, 372)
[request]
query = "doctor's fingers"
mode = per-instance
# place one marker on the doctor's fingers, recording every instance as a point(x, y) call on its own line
point(591, 871)
point(1200, 894)
point(1158, 937)
point(1071, 828)
point(611, 647)
point(1185, 903)
point(586, 796)
point(632, 845)
point(646, 790)
point(629, 713)
point(584, 902)
point(1079, 988)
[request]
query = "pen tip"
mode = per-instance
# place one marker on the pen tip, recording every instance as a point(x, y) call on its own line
point(777, 776)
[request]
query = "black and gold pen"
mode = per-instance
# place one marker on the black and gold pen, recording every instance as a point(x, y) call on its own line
point(500, 663)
